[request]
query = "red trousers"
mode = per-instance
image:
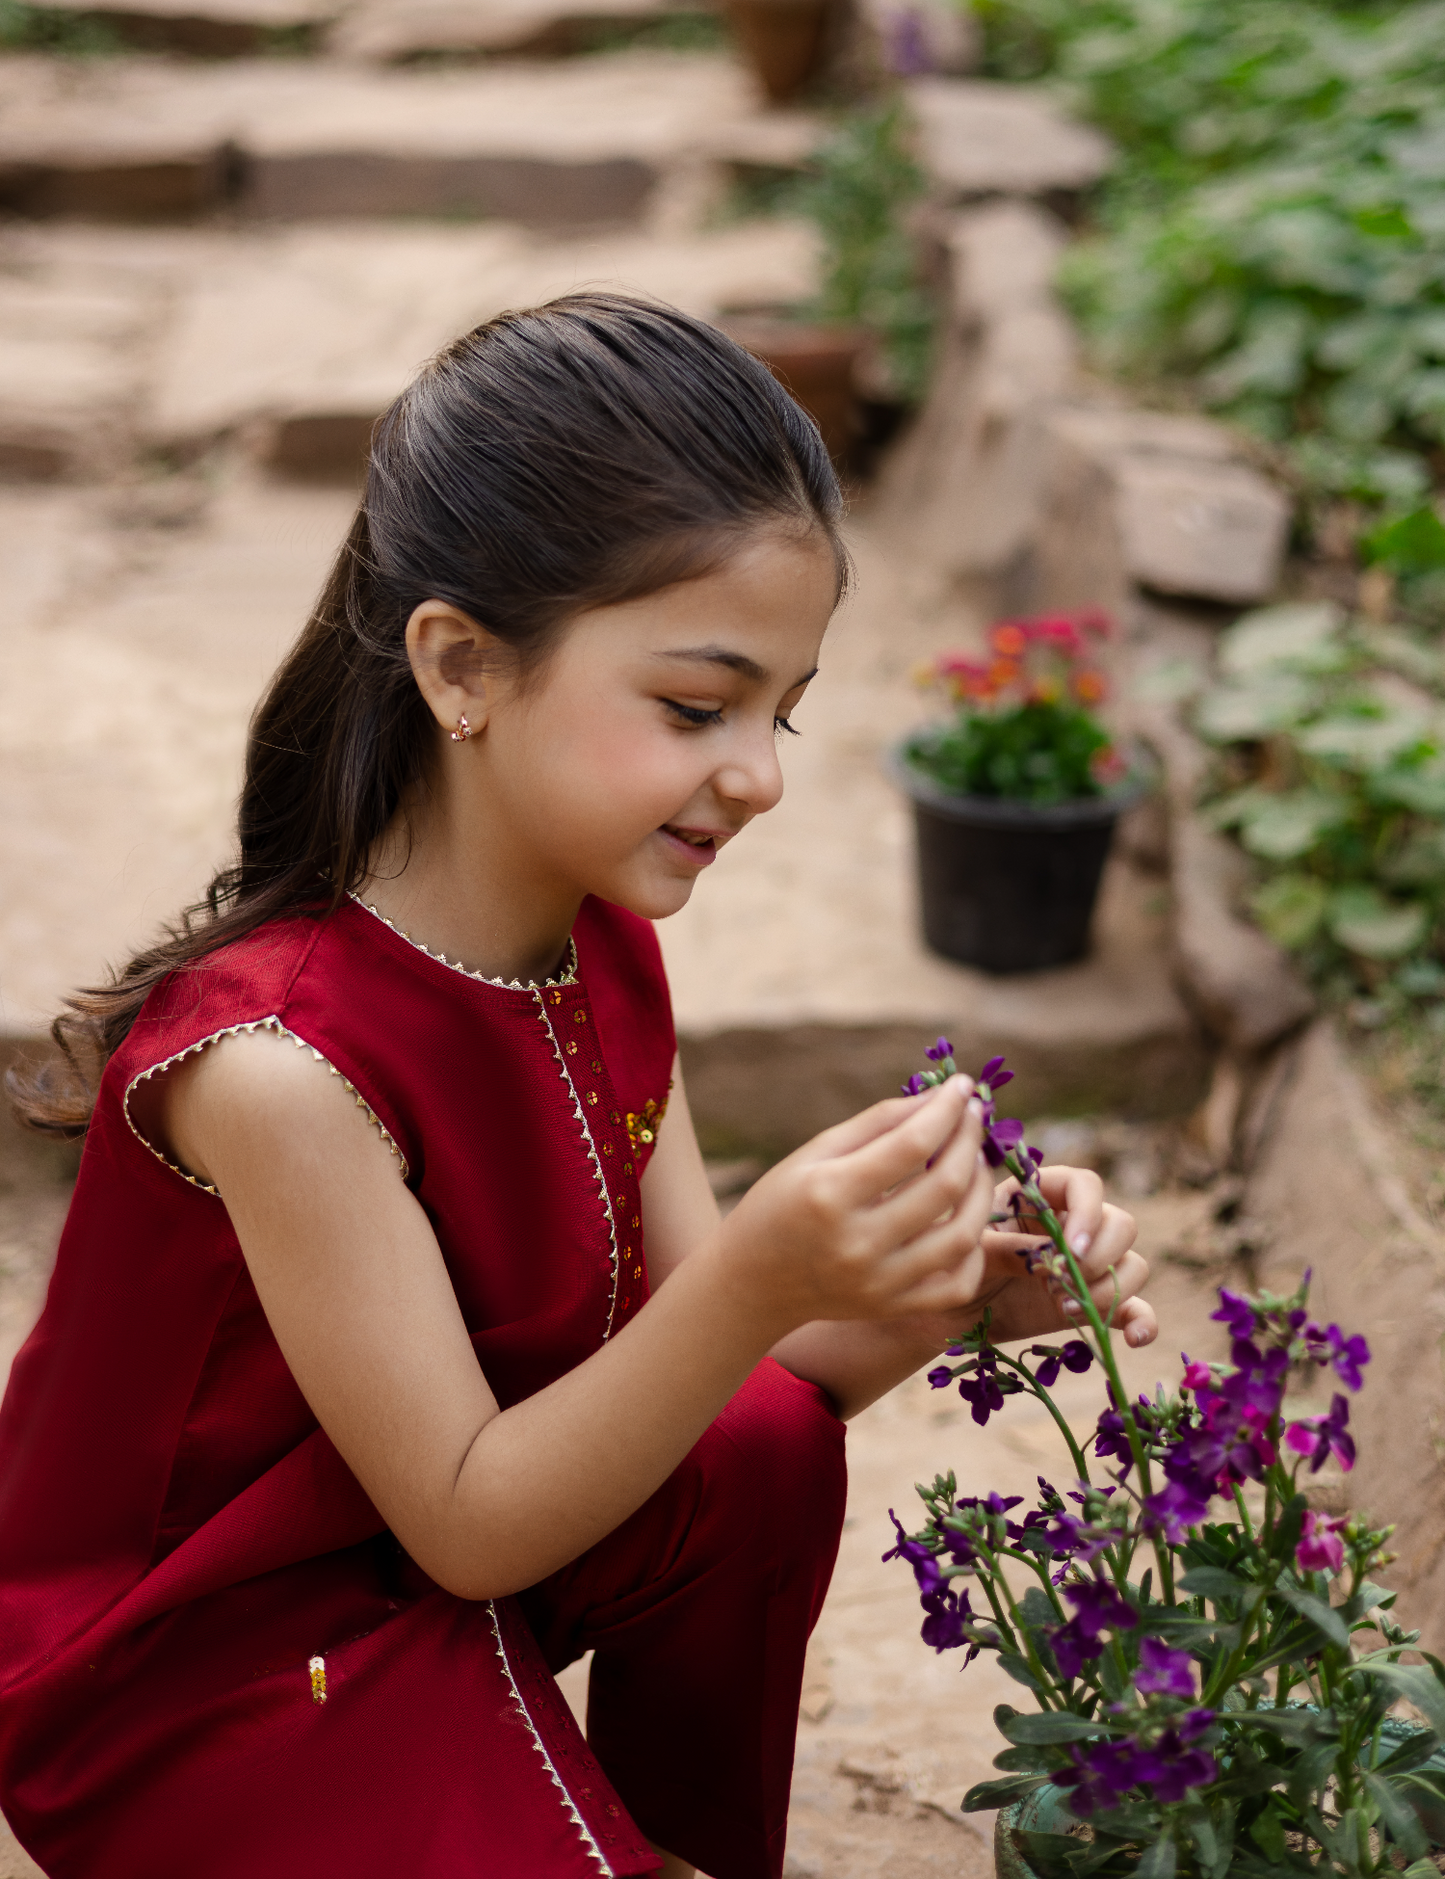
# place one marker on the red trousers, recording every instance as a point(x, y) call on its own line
point(698, 1609)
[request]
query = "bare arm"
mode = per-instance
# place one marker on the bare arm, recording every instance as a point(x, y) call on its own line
point(355, 1289)
point(858, 1362)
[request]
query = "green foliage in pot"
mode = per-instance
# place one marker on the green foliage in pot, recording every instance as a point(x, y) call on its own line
point(1024, 727)
point(1273, 234)
point(859, 191)
point(1332, 776)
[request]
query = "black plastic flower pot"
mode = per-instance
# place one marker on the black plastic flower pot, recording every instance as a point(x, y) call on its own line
point(1007, 886)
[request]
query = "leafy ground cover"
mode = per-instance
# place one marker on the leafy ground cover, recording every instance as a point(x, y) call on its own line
point(1272, 239)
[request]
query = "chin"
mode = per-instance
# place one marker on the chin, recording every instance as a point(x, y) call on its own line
point(651, 900)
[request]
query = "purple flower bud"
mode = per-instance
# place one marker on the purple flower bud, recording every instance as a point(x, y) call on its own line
point(940, 1377)
point(916, 1084)
point(1077, 1356)
point(1236, 1311)
point(937, 1052)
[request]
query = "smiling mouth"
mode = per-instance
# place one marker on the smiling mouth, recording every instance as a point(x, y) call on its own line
point(699, 845)
point(695, 838)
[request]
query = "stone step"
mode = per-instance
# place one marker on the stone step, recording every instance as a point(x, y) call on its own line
point(296, 338)
point(208, 29)
point(979, 139)
point(571, 144)
point(801, 989)
point(395, 31)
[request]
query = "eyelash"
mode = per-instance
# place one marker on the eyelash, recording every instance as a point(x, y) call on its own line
point(697, 719)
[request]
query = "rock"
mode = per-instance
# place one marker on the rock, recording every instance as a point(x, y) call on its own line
point(393, 31)
point(1246, 991)
point(964, 483)
point(309, 334)
point(208, 29)
point(1191, 517)
point(573, 144)
point(69, 371)
point(979, 138)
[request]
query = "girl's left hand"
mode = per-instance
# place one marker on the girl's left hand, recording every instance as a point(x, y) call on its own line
point(1101, 1238)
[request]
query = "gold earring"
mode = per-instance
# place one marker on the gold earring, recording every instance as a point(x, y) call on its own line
point(463, 730)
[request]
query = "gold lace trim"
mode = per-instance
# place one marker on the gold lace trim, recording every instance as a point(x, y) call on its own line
point(272, 1023)
point(541, 1747)
point(590, 1148)
point(568, 975)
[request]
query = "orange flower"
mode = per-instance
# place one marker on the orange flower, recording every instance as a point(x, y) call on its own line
point(1003, 672)
point(1090, 687)
point(1008, 639)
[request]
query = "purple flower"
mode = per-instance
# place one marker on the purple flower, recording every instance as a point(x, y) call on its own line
point(986, 1389)
point(936, 1053)
point(1171, 1770)
point(1197, 1376)
point(1072, 1538)
point(1162, 1671)
point(916, 1085)
point(1347, 1355)
point(946, 1613)
point(1101, 1773)
point(1111, 1439)
point(1075, 1356)
point(993, 1075)
point(1236, 1311)
point(1321, 1436)
point(909, 54)
point(1320, 1548)
point(1174, 1510)
point(920, 1557)
point(1000, 1138)
point(940, 1378)
point(1097, 1607)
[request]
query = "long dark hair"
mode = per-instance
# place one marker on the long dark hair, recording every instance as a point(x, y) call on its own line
point(587, 452)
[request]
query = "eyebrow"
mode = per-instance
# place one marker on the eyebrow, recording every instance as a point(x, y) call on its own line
point(738, 662)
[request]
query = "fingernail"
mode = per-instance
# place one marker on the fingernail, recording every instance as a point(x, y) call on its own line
point(1079, 1243)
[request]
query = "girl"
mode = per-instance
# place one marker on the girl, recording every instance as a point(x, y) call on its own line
point(396, 1354)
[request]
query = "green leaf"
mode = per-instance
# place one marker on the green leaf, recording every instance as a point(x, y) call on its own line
point(1036, 1607)
point(1018, 1668)
point(1268, 1834)
point(985, 1794)
point(1290, 1725)
point(1417, 1684)
point(1421, 790)
point(1322, 1616)
point(1414, 1750)
point(1280, 828)
point(1238, 713)
point(1050, 1726)
point(1364, 743)
point(1413, 544)
point(1160, 1861)
point(1213, 1583)
point(1363, 921)
point(1421, 1869)
point(1290, 908)
point(1290, 635)
point(1399, 1817)
point(1025, 1759)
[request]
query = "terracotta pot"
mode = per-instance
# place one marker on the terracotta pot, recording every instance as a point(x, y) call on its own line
point(783, 40)
point(814, 363)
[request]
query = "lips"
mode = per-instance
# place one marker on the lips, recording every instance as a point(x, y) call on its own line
point(698, 846)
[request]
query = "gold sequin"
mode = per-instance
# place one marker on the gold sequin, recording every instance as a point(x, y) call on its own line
point(637, 1220)
point(596, 1067)
point(317, 1667)
point(607, 1148)
point(592, 1098)
point(572, 1048)
point(643, 1127)
point(579, 1017)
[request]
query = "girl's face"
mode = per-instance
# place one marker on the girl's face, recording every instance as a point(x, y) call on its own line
point(650, 737)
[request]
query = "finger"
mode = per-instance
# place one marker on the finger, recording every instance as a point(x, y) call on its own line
point(1077, 1197)
point(1135, 1317)
point(1114, 1238)
point(846, 1137)
point(941, 1123)
point(943, 1245)
point(936, 1191)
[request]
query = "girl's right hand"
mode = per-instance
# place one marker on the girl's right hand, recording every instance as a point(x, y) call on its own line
point(878, 1218)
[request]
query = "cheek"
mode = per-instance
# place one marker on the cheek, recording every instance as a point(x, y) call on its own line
point(617, 771)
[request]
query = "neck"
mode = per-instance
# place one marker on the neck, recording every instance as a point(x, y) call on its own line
point(447, 877)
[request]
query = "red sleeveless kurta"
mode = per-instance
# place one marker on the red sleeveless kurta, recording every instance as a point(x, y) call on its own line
point(179, 1541)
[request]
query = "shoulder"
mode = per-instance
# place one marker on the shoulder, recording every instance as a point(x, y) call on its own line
point(237, 984)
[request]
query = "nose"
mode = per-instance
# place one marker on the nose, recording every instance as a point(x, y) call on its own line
point(751, 774)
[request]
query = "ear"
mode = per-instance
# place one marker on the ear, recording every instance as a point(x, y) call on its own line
point(458, 665)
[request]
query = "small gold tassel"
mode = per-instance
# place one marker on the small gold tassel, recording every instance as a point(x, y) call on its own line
point(317, 1667)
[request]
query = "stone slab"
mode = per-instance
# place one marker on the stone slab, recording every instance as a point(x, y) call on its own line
point(314, 324)
point(573, 143)
point(980, 138)
point(393, 31)
point(209, 29)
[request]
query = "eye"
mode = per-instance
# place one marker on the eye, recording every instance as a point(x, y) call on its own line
point(786, 724)
point(690, 714)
